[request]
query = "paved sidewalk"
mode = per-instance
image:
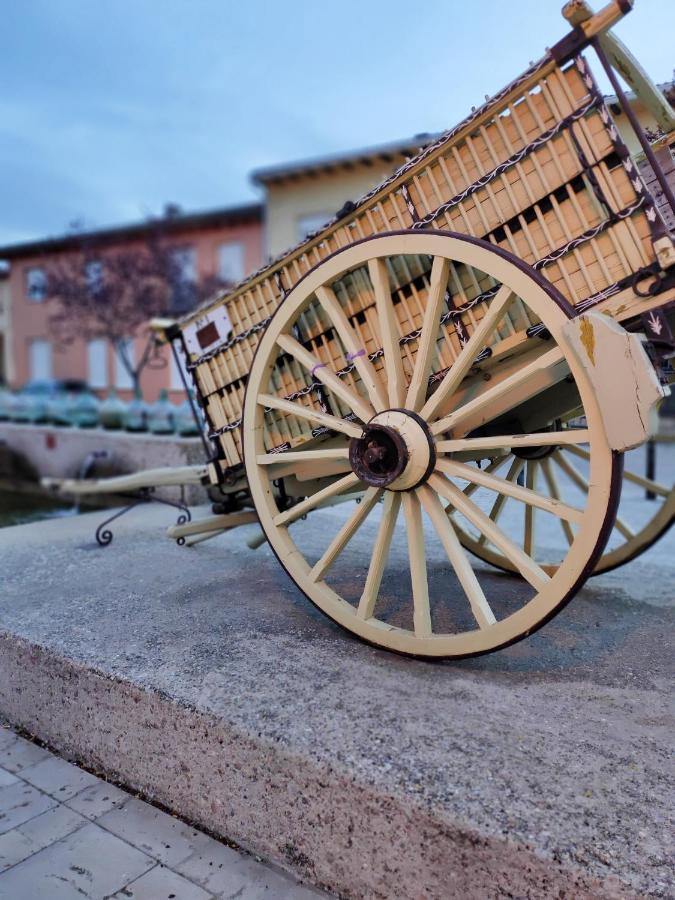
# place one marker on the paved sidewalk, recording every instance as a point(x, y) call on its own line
point(67, 835)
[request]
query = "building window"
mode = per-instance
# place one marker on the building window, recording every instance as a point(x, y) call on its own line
point(185, 276)
point(97, 363)
point(311, 223)
point(40, 359)
point(93, 275)
point(231, 262)
point(36, 284)
point(123, 379)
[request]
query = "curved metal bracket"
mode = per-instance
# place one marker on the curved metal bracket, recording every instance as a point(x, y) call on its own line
point(104, 535)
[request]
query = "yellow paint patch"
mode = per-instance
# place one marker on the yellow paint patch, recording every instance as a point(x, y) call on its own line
point(587, 338)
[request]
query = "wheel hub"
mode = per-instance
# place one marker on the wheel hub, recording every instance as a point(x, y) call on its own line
point(396, 451)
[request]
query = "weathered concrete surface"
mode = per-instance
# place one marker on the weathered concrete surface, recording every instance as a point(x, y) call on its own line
point(58, 452)
point(203, 679)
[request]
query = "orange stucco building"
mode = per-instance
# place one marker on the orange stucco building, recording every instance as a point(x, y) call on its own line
point(224, 242)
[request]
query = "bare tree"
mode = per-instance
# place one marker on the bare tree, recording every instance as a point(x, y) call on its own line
point(112, 292)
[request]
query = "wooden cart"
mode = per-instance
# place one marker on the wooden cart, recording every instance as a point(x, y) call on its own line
point(474, 343)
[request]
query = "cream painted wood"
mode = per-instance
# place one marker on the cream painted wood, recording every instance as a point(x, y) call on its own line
point(493, 466)
point(648, 484)
point(560, 462)
point(531, 484)
point(458, 558)
point(469, 352)
point(527, 567)
point(389, 333)
point(594, 23)
point(508, 488)
point(416, 444)
point(418, 565)
point(507, 441)
point(346, 533)
point(356, 351)
point(300, 509)
point(312, 415)
point(554, 491)
point(212, 523)
point(319, 371)
point(426, 347)
point(164, 477)
point(361, 615)
point(629, 394)
point(515, 469)
point(391, 506)
point(627, 65)
point(302, 456)
point(204, 536)
point(482, 408)
point(574, 475)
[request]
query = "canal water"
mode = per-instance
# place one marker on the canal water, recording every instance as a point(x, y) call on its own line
point(17, 507)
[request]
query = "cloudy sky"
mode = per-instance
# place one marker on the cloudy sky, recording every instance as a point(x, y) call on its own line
point(110, 109)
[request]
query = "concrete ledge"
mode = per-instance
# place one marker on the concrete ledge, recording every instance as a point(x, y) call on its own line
point(210, 686)
point(288, 808)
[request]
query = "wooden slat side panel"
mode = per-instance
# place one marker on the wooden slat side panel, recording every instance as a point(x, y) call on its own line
point(541, 174)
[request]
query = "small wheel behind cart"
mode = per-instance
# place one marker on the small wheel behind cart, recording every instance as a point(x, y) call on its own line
point(562, 473)
point(386, 374)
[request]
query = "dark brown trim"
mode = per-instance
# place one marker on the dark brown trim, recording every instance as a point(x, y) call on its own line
point(568, 47)
point(635, 125)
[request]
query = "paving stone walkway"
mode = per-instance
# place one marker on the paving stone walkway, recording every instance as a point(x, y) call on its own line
point(67, 835)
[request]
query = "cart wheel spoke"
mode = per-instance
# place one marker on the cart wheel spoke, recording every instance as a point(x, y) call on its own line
point(494, 466)
point(312, 415)
point(418, 564)
point(389, 332)
point(428, 339)
point(554, 491)
point(502, 397)
point(302, 456)
point(515, 469)
point(346, 533)
point(508, 488)
point(528, 568)
point(453, 378)
point(458, 558)
point(356, 353)
point(305, 506)
point(575, 476)
point(322, 373)
point(531, 472)
point(647, 483)
point(509, 441)
point(385, 533)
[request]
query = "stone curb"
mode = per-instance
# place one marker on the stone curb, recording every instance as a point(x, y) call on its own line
point(292, 809)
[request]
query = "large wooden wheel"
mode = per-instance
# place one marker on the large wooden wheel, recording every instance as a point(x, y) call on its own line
point(386, 373)
point(562, 473)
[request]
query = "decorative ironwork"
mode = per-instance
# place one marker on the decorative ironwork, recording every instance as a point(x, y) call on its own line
point(104, 535)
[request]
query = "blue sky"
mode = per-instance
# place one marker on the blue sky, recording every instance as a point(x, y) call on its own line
point(111, 109)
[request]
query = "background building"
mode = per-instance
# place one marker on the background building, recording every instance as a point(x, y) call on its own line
point(223, 242)
point(302, 196)
point(6, 341)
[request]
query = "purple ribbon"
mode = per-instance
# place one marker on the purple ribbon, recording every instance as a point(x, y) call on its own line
point(351, 356)
point(317, 366)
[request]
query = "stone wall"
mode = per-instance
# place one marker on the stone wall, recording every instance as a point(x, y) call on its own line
point(50, 451)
